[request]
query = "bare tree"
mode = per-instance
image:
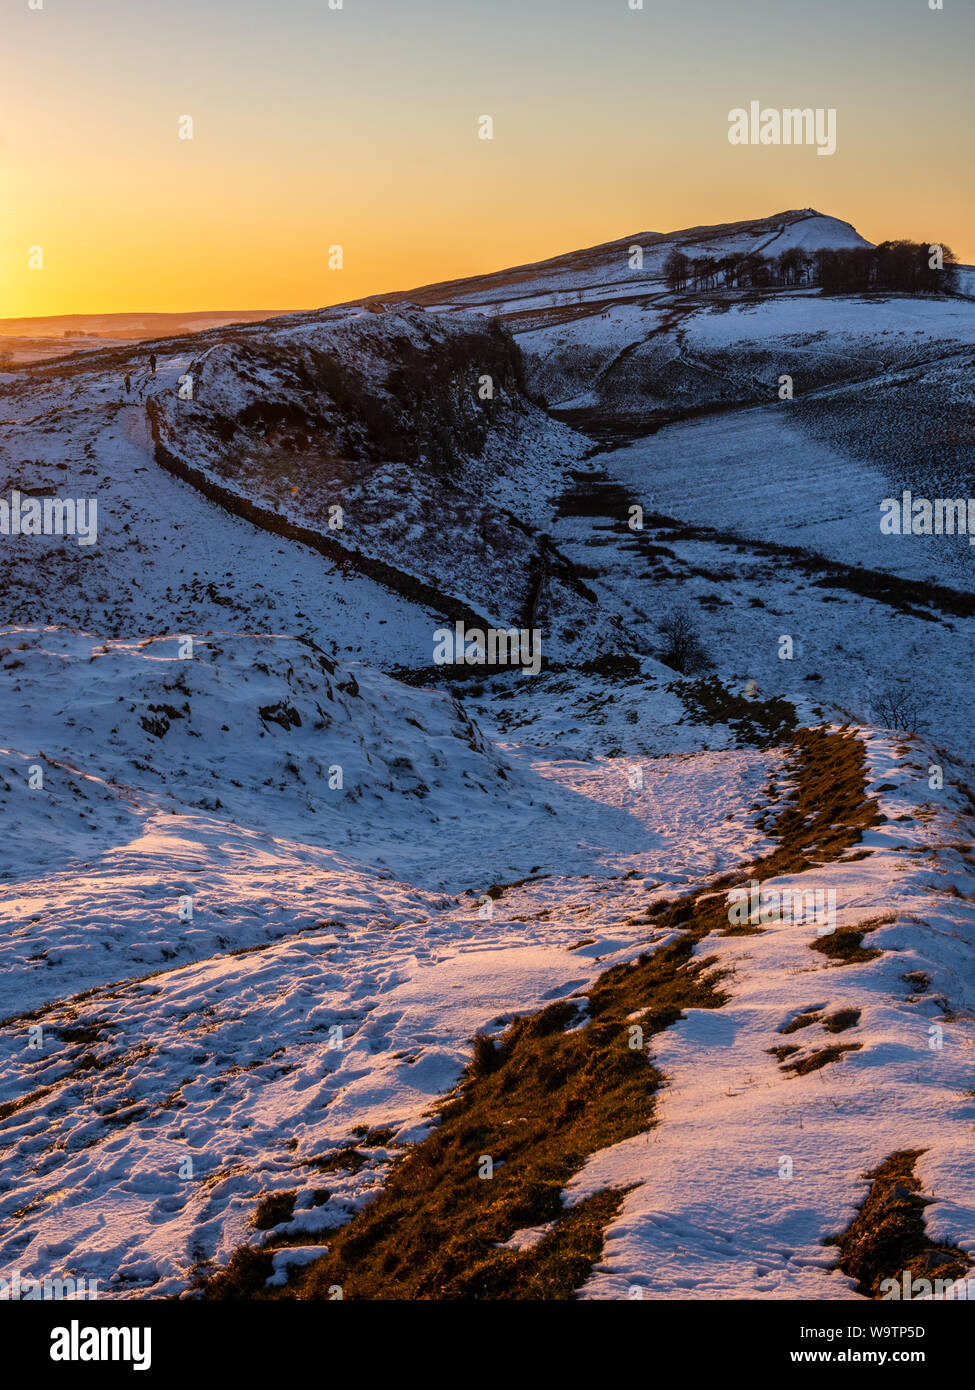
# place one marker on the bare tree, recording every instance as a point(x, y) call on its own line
point(682, 647)
point(676, 270)
point(705, 273)
point(899, 709)
point(728, 269)
point(790, 266)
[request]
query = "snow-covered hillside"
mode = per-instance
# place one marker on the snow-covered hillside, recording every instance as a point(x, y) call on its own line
point(327, 999)
point(362, 439)
point(608, 270)
point(602, 328)
point(274, 884)
point(323, 426)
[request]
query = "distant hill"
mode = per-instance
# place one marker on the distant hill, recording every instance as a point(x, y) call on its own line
point(607, 267)
point(39, 339)
point(122, 326)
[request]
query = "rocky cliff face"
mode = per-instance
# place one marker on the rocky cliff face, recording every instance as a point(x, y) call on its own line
point(401, 444)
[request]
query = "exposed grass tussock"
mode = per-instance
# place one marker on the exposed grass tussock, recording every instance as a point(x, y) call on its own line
point(841, 1020)
point(555, 1088)
point(243, 1277)
point(536, 1106)
point(11, 1107)
point(845, 945)
point(887, 1235)
point(273, 1209)
point(836, 1022)
point(821, 1057)
point(755, 722)
point(800, 1021)
point(346, 1159)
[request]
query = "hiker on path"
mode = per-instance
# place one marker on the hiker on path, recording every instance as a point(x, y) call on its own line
point(128, 383)
point(152, 363)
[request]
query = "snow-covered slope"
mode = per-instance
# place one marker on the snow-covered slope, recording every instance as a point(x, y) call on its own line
point(232, 723)
point(583, 276)
point(141, 775)
point(606, 341)
point(258, 897)
point(361, 438)
point(748, 1218)
point(402, 441)
point(260, 731)
point(601, 328)
point(231, 986)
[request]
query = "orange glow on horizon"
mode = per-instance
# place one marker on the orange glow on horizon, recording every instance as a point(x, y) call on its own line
point(358, 127)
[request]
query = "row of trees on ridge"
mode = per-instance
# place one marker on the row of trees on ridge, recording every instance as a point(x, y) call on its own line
point(903, 267)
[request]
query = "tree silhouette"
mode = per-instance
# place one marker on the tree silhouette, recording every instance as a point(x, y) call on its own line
point(893, 267)
point(677, 269)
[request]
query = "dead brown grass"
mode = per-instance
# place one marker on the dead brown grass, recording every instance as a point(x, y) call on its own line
point(821, 1057)
point(887, 1235)
point(559, 1086)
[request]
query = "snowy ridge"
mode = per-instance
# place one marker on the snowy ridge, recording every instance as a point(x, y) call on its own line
point(160, 780)
point(608, 267)
point(602, 332)
point(733, 1221)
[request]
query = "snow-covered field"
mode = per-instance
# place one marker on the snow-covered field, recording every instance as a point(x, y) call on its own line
point(758, 474)
point(266, 872)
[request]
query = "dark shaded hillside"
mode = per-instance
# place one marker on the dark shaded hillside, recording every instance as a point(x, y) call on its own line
point(404, 444)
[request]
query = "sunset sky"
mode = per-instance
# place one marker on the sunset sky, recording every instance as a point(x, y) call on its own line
point(358, 127)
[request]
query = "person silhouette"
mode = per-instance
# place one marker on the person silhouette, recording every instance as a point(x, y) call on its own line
point(152, 362)
point(128, 383)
